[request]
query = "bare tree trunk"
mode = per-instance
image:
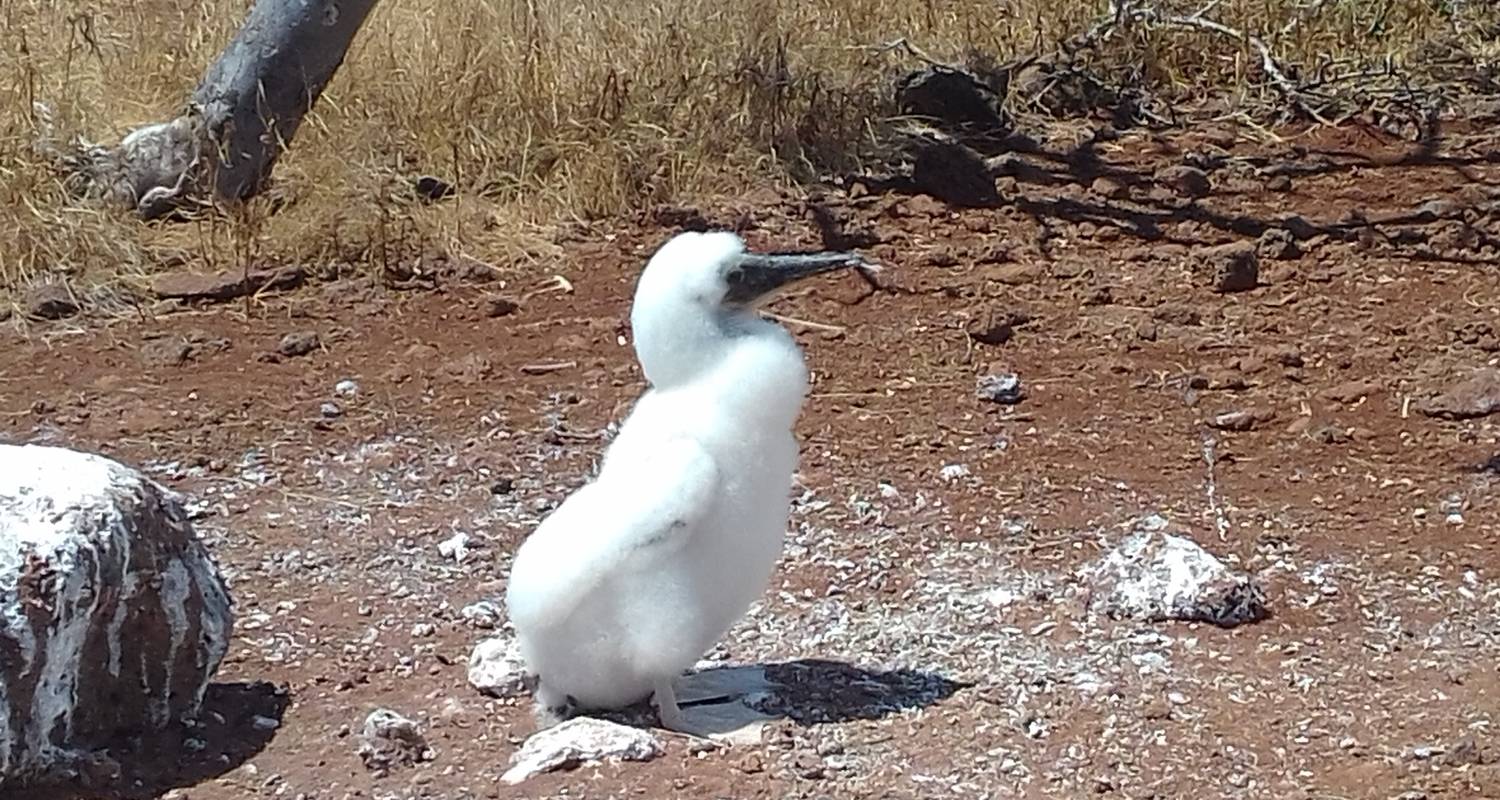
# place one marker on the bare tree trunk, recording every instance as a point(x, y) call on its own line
point(243, 114)
point(273, 71)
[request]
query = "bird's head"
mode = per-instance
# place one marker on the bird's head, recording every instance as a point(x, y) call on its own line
point(701, 288)
point(714, 271)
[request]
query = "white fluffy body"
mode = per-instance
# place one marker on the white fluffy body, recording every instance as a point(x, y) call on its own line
point(638, 573)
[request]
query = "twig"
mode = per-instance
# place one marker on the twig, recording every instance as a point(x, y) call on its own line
point(556, 283)
point(1307, 13)
point(548, 367)
point(1210, 458)
point(902, 43)
point(1284, 85)
point(1123, 12)
point(817, 326)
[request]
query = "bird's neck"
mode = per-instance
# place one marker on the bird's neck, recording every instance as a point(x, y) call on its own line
point(673, 349)
point(747, 365)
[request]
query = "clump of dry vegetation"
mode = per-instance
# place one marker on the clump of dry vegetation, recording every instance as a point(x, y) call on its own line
point(550, 110)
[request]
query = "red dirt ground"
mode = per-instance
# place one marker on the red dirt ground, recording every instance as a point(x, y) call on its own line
point(1370, 523)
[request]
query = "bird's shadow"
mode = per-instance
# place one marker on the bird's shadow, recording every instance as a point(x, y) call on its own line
point(817, 691)
point(806, 691)
point(233, 726)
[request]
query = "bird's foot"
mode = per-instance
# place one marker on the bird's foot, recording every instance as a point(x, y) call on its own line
point(664, 699)
point(669, 714)
point(550, 711)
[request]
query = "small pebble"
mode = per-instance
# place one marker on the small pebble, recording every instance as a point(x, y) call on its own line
point(1004, 388)
point(455, 547)
point(483, 614)
point(953, 472)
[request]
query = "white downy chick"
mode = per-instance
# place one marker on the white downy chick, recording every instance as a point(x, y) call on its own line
point(637, 574)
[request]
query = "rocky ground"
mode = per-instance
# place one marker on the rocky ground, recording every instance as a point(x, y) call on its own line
point(1310, 404)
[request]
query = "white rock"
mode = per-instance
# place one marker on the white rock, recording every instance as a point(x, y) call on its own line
point(346, 388)
point(1154, 576)
point(497, 669)
point(952, 472)
point(455, 547)
point(113, 618)
point(390, 739)
point(579, 741)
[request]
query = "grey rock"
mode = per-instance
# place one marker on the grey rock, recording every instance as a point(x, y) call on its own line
point(389, 739)
point(227, 285)
point(1004, 388)
point(1185, 180)
point(1477, 396)
point(168, 351)
point(1277, 244)
point(298, 343)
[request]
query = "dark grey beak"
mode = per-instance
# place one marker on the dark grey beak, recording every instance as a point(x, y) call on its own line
point(758, 275)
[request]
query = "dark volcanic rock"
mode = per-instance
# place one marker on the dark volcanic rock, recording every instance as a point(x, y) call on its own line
point(50, 301)
point(1232, 267)
point(1185, 180)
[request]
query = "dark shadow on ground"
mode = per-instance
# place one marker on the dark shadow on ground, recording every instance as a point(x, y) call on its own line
point(235, 725)
point(808, 692)
point(1058, 185)
point(815, 691)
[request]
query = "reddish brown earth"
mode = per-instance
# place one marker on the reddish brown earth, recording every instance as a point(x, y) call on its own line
point(942, 646)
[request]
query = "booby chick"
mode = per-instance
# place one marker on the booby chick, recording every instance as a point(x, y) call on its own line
point(638, 573)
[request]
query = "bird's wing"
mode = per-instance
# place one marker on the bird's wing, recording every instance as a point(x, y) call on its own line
point(642, 507)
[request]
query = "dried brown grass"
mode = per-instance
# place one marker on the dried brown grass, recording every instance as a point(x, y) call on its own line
point(544, 110)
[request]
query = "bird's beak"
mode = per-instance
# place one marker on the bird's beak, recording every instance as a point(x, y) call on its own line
point(758, 275)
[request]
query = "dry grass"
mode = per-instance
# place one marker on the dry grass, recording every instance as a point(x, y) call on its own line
point(547, 110)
